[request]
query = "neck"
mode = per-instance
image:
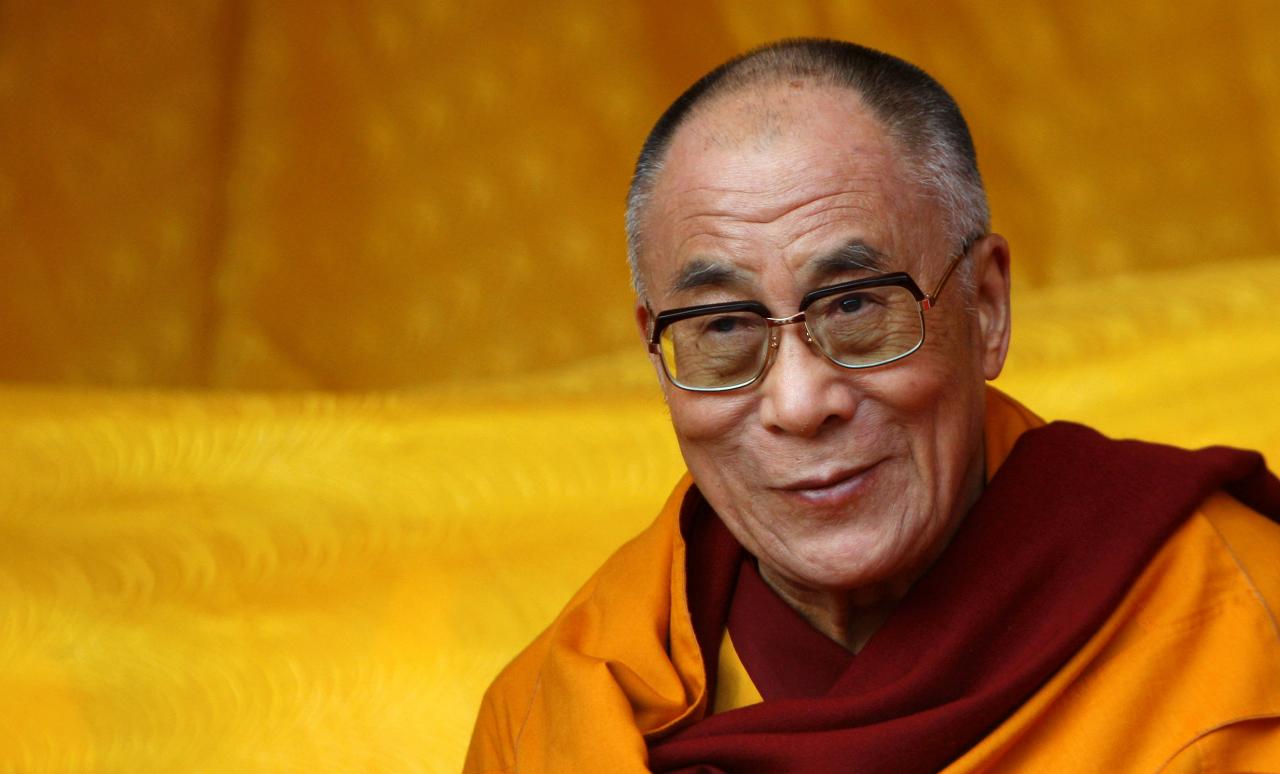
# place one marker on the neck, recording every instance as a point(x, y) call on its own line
point(849, 617)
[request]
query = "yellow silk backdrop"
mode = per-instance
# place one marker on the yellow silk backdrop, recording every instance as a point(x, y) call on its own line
point(319, 390)
point(354, 195)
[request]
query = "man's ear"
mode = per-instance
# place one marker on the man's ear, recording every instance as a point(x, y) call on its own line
point(643, 320)
point(992, 301)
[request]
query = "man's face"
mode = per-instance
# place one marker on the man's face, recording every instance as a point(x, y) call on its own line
point(835, 479)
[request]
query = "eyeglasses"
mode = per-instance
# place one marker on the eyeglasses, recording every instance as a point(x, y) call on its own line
point(859, 324)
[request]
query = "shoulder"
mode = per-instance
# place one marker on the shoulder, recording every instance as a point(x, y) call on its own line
point(1237, 624)
point(1214, 588)
point(1252, 541)
point(1195, 642)
point(1183, 676)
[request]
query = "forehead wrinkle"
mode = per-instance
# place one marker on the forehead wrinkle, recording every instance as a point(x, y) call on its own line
point(827, 218)
point(819, 208)
point(794, 187)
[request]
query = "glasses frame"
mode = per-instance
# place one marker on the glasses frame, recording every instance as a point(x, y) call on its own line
point(926, 301)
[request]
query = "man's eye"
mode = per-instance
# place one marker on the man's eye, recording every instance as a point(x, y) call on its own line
point(851, 303)
point(722, 324)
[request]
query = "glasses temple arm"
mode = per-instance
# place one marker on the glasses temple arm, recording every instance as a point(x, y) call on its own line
point(932, 298)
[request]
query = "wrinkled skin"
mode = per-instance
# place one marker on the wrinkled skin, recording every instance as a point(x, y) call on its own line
point(844, 484)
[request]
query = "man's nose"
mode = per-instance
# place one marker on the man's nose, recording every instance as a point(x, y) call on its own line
point(804, 392)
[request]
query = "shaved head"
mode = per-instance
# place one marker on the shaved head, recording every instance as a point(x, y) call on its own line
point(917, 113)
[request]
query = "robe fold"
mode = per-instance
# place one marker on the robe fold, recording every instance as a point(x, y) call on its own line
point(1086, 562)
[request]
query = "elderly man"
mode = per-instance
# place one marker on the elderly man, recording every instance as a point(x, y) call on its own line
point(877, 562)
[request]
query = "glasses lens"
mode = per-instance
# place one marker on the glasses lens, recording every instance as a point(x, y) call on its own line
point(868, 326)
point(715, 351)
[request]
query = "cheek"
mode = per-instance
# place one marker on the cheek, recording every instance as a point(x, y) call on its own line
point(932, 398)
point(945, 373)
point(711, 430)
point(914, 392)
point(706, 420)
point(939, 402)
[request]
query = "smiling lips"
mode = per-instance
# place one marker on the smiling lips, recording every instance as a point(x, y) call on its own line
point(832, 490)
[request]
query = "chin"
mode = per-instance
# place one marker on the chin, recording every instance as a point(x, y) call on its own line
point(859, 560)
point(850, 568)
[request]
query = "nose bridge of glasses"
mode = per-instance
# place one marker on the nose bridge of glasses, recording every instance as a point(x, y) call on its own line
point(775, 323)
point(780, 321)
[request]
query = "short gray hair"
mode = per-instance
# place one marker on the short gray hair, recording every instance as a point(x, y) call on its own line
point(917, 112)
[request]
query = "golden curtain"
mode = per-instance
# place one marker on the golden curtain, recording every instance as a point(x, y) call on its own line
point(357, 195)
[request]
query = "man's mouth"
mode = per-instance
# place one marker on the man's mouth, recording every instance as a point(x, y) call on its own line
point(833, 489)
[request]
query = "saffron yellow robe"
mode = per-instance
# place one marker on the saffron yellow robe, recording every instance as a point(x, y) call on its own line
point(1183, 676)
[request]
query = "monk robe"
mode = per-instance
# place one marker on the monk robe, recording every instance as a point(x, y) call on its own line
point(1105, 606)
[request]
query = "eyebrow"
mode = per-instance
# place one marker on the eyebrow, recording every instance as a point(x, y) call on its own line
point(854, 255)
point(703, 273)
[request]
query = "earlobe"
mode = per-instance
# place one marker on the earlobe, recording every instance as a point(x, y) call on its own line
point(993, 302)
